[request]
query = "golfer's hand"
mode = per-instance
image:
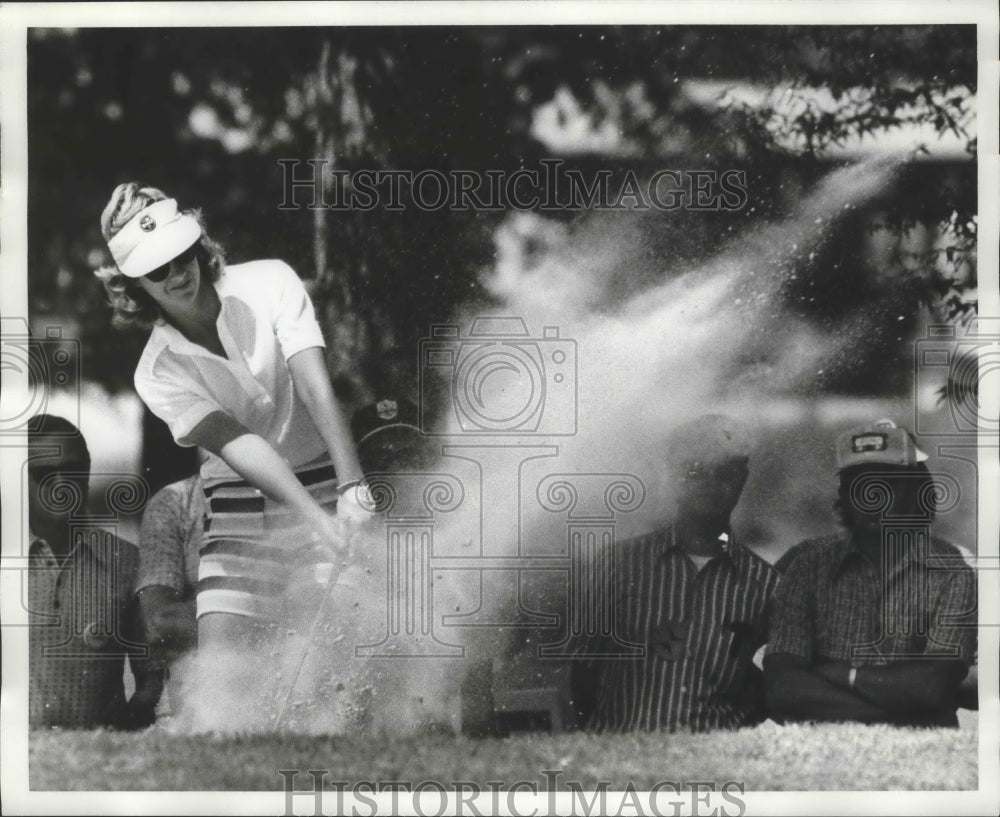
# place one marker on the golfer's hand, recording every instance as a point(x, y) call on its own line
point(331, 536)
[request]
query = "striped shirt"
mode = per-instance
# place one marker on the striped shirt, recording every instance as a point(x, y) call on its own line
point(698, 631)
point(835, 605)
point(83, 622)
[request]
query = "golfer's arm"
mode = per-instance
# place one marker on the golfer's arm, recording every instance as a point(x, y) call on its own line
point(312, 384)
point(153, 599)
point(795, 693)
point(254, 459)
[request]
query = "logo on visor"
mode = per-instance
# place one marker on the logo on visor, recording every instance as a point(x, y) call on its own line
point(146, 224)
point(387, 409)
point(869, 442)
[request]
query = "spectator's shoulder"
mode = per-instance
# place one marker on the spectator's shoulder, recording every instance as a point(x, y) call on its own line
point(123, 545)
point(165, 506)
point(171, 494)
point(642, 542)
point(808, 551)
point(761, 566)
point(120, 554)
point(950, 556)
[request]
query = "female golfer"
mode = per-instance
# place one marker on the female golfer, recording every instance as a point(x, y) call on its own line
point(234, 364)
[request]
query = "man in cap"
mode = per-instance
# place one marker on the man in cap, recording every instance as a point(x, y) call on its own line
point(690, 596)
point(83, 617)
point(876, 624)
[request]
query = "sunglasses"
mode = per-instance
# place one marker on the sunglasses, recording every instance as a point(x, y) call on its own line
point(159, 275)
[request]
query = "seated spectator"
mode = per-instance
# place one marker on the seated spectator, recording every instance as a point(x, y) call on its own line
point(873, 624)
point(167, 581)
point(83, 617)
point(388, 439)
point(691, 596)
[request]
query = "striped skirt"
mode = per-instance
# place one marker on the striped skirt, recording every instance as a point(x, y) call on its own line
point(254, 545)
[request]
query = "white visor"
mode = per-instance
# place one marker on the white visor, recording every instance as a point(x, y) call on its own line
point(153, 237)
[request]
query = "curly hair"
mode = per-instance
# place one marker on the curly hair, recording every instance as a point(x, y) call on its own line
point(132, 307)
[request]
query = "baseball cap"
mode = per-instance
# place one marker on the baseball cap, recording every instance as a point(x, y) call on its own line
point(878, 443)
point(375, 418)
point(387, 436)
point(153, 237)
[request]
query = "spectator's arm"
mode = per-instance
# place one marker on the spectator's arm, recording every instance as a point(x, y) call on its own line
point(931, 681)
point(790, 611)
point(954, 628)
point(795, 693)
point(911, 685)
point(140, 711)
point(168, 622)
point(968, 691)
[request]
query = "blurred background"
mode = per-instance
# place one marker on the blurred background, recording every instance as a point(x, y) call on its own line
point(209, 114)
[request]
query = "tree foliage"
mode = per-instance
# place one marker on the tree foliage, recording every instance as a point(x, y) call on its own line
point(208, 113)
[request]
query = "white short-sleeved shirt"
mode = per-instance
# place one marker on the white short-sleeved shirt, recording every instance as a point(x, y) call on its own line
point(266, 317)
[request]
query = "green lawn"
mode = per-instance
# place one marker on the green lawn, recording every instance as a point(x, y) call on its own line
point(832, 757)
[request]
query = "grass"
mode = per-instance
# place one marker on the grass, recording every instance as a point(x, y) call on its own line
point(765, 758)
